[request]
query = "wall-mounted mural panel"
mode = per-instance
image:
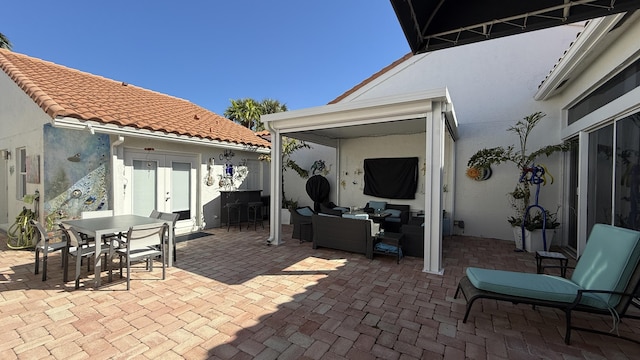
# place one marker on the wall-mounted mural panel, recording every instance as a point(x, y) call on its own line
point(76, 172)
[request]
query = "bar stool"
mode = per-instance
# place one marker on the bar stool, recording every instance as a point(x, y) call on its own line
point(254, 214)
point(233, 214)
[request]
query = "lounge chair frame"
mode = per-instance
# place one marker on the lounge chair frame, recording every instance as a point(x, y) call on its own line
point(471, 294)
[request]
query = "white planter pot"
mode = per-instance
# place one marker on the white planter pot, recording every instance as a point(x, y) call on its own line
point(533, 239)
point(285, 216)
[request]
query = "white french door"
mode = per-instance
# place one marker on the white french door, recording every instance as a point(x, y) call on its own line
point(164, 182)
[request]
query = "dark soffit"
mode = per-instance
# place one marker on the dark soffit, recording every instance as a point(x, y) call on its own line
point(437, 24)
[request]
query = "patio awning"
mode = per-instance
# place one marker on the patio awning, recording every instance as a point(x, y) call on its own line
point(437, 24)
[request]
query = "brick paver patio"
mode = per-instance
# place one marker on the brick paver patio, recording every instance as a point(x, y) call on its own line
point(232, 297)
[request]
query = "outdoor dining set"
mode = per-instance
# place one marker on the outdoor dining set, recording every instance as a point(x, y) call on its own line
point(100, 234)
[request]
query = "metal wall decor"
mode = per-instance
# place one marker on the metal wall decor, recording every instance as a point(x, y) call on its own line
point(479, 174)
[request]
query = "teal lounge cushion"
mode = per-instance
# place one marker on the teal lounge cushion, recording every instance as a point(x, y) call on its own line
point(378, 204)
point(534, 286)
point(305, 211)
point(608, 260)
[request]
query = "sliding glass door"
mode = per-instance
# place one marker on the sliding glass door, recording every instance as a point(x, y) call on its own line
point(613, 195)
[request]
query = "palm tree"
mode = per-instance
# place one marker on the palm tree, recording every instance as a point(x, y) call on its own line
point(271, 106)
point(247, 111)
point(4, 42)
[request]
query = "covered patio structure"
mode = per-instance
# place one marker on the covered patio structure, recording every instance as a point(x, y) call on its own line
point(427, 114)
point(434, 25)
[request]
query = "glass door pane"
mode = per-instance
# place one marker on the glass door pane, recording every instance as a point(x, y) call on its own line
point(181, 189)
point(601, 177)
point(145, 187)
point(572, 215)
point(627, 188)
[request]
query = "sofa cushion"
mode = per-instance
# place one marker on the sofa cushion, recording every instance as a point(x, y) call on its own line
point(378, 205)
point(363, 216)
point(329, 215)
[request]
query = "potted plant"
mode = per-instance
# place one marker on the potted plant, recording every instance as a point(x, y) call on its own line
point(533, 240)
point(520, 197)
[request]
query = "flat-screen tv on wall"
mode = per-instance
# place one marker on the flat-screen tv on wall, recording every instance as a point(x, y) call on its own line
point(391, 178)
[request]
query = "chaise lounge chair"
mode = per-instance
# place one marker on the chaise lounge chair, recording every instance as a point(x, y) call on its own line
point(604, 281)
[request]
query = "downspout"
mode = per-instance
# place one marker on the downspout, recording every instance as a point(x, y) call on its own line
point(115, 147)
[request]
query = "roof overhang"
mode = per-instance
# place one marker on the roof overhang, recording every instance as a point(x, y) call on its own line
point(437, 24)
point(392, 115)
point(593, 41)
point(96, 127)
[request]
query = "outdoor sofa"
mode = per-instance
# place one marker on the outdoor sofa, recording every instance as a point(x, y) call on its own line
point(346, 234)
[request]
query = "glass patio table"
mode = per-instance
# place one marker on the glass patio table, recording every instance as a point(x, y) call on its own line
point(97, 227)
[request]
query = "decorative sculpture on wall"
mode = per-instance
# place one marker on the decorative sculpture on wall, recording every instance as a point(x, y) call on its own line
point(320, 167)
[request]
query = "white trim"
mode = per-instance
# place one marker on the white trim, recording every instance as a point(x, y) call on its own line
point(407, 106)
point(577, 55)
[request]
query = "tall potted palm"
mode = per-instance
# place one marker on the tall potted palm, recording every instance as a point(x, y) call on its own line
point(520, 197)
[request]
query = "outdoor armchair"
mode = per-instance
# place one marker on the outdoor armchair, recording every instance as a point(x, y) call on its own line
point(143, 242)
point(301, 221)
point(46, 246)
point(171, 219)
point(77, 248)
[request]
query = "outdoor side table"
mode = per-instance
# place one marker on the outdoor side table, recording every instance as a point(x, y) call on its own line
point(389, 242)
point(550, 255)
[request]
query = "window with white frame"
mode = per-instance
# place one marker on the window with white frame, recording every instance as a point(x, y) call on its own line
point(22, 173)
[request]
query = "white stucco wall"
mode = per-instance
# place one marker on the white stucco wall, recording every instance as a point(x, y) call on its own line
point(208, 203)
point(21, 122)
point(353, 153)
point(492, 84)
point(295, 187)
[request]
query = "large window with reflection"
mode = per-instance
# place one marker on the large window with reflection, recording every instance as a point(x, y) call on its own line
point(620, 84)
point(614, 174)
point(627, 172)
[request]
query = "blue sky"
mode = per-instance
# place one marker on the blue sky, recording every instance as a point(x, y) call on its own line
point(302, 53)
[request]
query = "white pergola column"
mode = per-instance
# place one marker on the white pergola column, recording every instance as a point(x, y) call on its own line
point(434, 138)
point(275, 221)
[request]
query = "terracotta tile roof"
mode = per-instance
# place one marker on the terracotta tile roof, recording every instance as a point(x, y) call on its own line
point(64, 92)
point(371, 78)
point(265, 134)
